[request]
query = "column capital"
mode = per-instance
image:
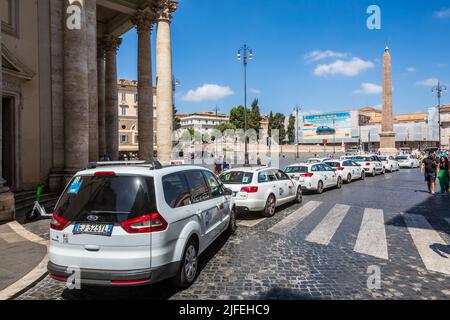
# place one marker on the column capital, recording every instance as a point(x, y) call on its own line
point(110, 43)
point(165, 10)
point(144, 20)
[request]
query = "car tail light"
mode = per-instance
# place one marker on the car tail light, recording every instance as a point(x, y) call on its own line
point(307, 175)
point(340, 169)
point(249, 189)
point(149, 223)
point(58, 223)
point(59, 278)
point(129, 282)
point(105, 173)
point(367, 163)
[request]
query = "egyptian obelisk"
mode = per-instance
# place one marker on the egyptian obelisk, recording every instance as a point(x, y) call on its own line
point(387, 135)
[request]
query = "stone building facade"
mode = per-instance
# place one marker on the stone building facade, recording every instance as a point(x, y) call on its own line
point(59, 85)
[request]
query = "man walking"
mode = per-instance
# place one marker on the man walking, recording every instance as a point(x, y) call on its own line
point(429, 168)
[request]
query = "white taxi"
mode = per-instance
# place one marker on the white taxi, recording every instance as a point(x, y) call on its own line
point(390, 163)
point(316, 160)
point(371, 164)
point(315, 176)
point(261, 188)
point(408, 161)
point(347, 169)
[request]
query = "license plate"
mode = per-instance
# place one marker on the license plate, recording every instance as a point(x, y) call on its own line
point(100, 229)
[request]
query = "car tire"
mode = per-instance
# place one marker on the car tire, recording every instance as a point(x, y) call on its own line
point(349, 178)
point(339, 183)
point(363, 175)
point(383, 171)
point(299, 195)
point(374, 173)
point(269, 209)
point(189, 266)
point(232, 225)
point(320, 187)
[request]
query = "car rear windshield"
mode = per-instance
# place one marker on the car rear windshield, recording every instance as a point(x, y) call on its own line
point(383, 158)
point(402, 158)
point(110, 198)
point(296, 169)
point(236, 177)
point(334, 164)
point(362, 159)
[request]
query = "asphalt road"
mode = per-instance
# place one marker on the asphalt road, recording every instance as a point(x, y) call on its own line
point(382, 238)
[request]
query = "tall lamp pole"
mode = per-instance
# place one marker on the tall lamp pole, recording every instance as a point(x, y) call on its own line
point(216, 109)
point(438, 90)
point(245, 54)
point(297, 109)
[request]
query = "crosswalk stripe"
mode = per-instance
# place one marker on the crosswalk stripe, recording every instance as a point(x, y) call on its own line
point(326, 229)
point(372, 235)
point(426, 238)
point(289, 223)
point(250, 223)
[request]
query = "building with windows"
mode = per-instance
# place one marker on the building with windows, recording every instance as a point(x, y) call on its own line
point(128, 117)
point(203, 122)
point(445, 126)
point(58, 85)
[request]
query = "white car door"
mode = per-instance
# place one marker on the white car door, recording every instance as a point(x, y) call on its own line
point(357, 169)
point(286, 185)
point(223, 202)
point(329, 176)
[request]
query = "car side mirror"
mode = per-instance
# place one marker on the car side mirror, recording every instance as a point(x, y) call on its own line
point(228, 191)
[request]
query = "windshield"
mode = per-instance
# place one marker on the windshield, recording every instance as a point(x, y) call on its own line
point(383, 158)
point(296, 169)
point(236, 177)
point(111, 198)
point(361, 159)
point(402, 158)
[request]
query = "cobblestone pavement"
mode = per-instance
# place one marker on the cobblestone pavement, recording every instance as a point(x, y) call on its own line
point(259, 264)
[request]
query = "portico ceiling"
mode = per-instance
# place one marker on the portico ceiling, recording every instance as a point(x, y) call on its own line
point(113, 16)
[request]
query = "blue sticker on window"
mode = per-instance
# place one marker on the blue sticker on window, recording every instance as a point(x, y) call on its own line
point(75, 186)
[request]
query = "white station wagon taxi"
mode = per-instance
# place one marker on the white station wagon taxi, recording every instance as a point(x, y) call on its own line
point(347, 169)
point(315, 177)
point(261, 188)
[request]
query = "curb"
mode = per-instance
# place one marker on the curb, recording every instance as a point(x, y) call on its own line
point(35, 275)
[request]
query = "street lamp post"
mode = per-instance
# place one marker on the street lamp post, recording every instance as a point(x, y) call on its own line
point(297, 109)
point(438, 90)
point(334, 137)
point(245, 54)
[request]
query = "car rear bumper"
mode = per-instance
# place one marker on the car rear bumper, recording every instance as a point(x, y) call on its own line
point(250, 205)
point(97, 277)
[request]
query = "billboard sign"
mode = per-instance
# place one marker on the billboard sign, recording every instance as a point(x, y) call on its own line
point(327, 126)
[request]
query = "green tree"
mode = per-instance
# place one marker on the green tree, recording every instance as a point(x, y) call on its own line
point(254, 117)
point(270, 124)
point(237, 117)
point(291, 129)
point(278, 124)
point(176, 120)
point(226, 126)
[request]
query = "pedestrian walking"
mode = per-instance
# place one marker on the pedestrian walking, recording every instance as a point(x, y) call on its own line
point(443, 174)
point(429, 169)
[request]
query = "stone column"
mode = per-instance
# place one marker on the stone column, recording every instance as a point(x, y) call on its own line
point(76, 91)
point(111, 44)
point(143, 21)
point(387, 135)
point(6, 197)
point(164, 76)
point(91, 34)
point(101, 99)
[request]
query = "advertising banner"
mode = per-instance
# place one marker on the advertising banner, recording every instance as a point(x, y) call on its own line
point(327, 126)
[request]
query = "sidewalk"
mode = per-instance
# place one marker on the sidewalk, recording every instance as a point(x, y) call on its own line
point(23, 256)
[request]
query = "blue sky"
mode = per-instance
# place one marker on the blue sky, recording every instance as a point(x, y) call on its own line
point(317, 53)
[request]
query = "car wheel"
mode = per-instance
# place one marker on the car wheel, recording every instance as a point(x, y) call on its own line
point(232, 225)
point(383, 171)
point(374, 173)
point(269, 209)
point(320, 187)
point(189, 266)
point(363, 175)
point(339, 183)
point(299, 196)
point(349, 178)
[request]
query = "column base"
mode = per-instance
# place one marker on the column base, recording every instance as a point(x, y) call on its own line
point(7, 206)
point(389, 151)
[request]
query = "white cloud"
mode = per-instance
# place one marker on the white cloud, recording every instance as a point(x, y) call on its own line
point(369, 88)
point(428, 82)
point(411, 69)
point(349, 68)
point(208, 92)
point(320, 55)
point(443, 13)
point(256, 91)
